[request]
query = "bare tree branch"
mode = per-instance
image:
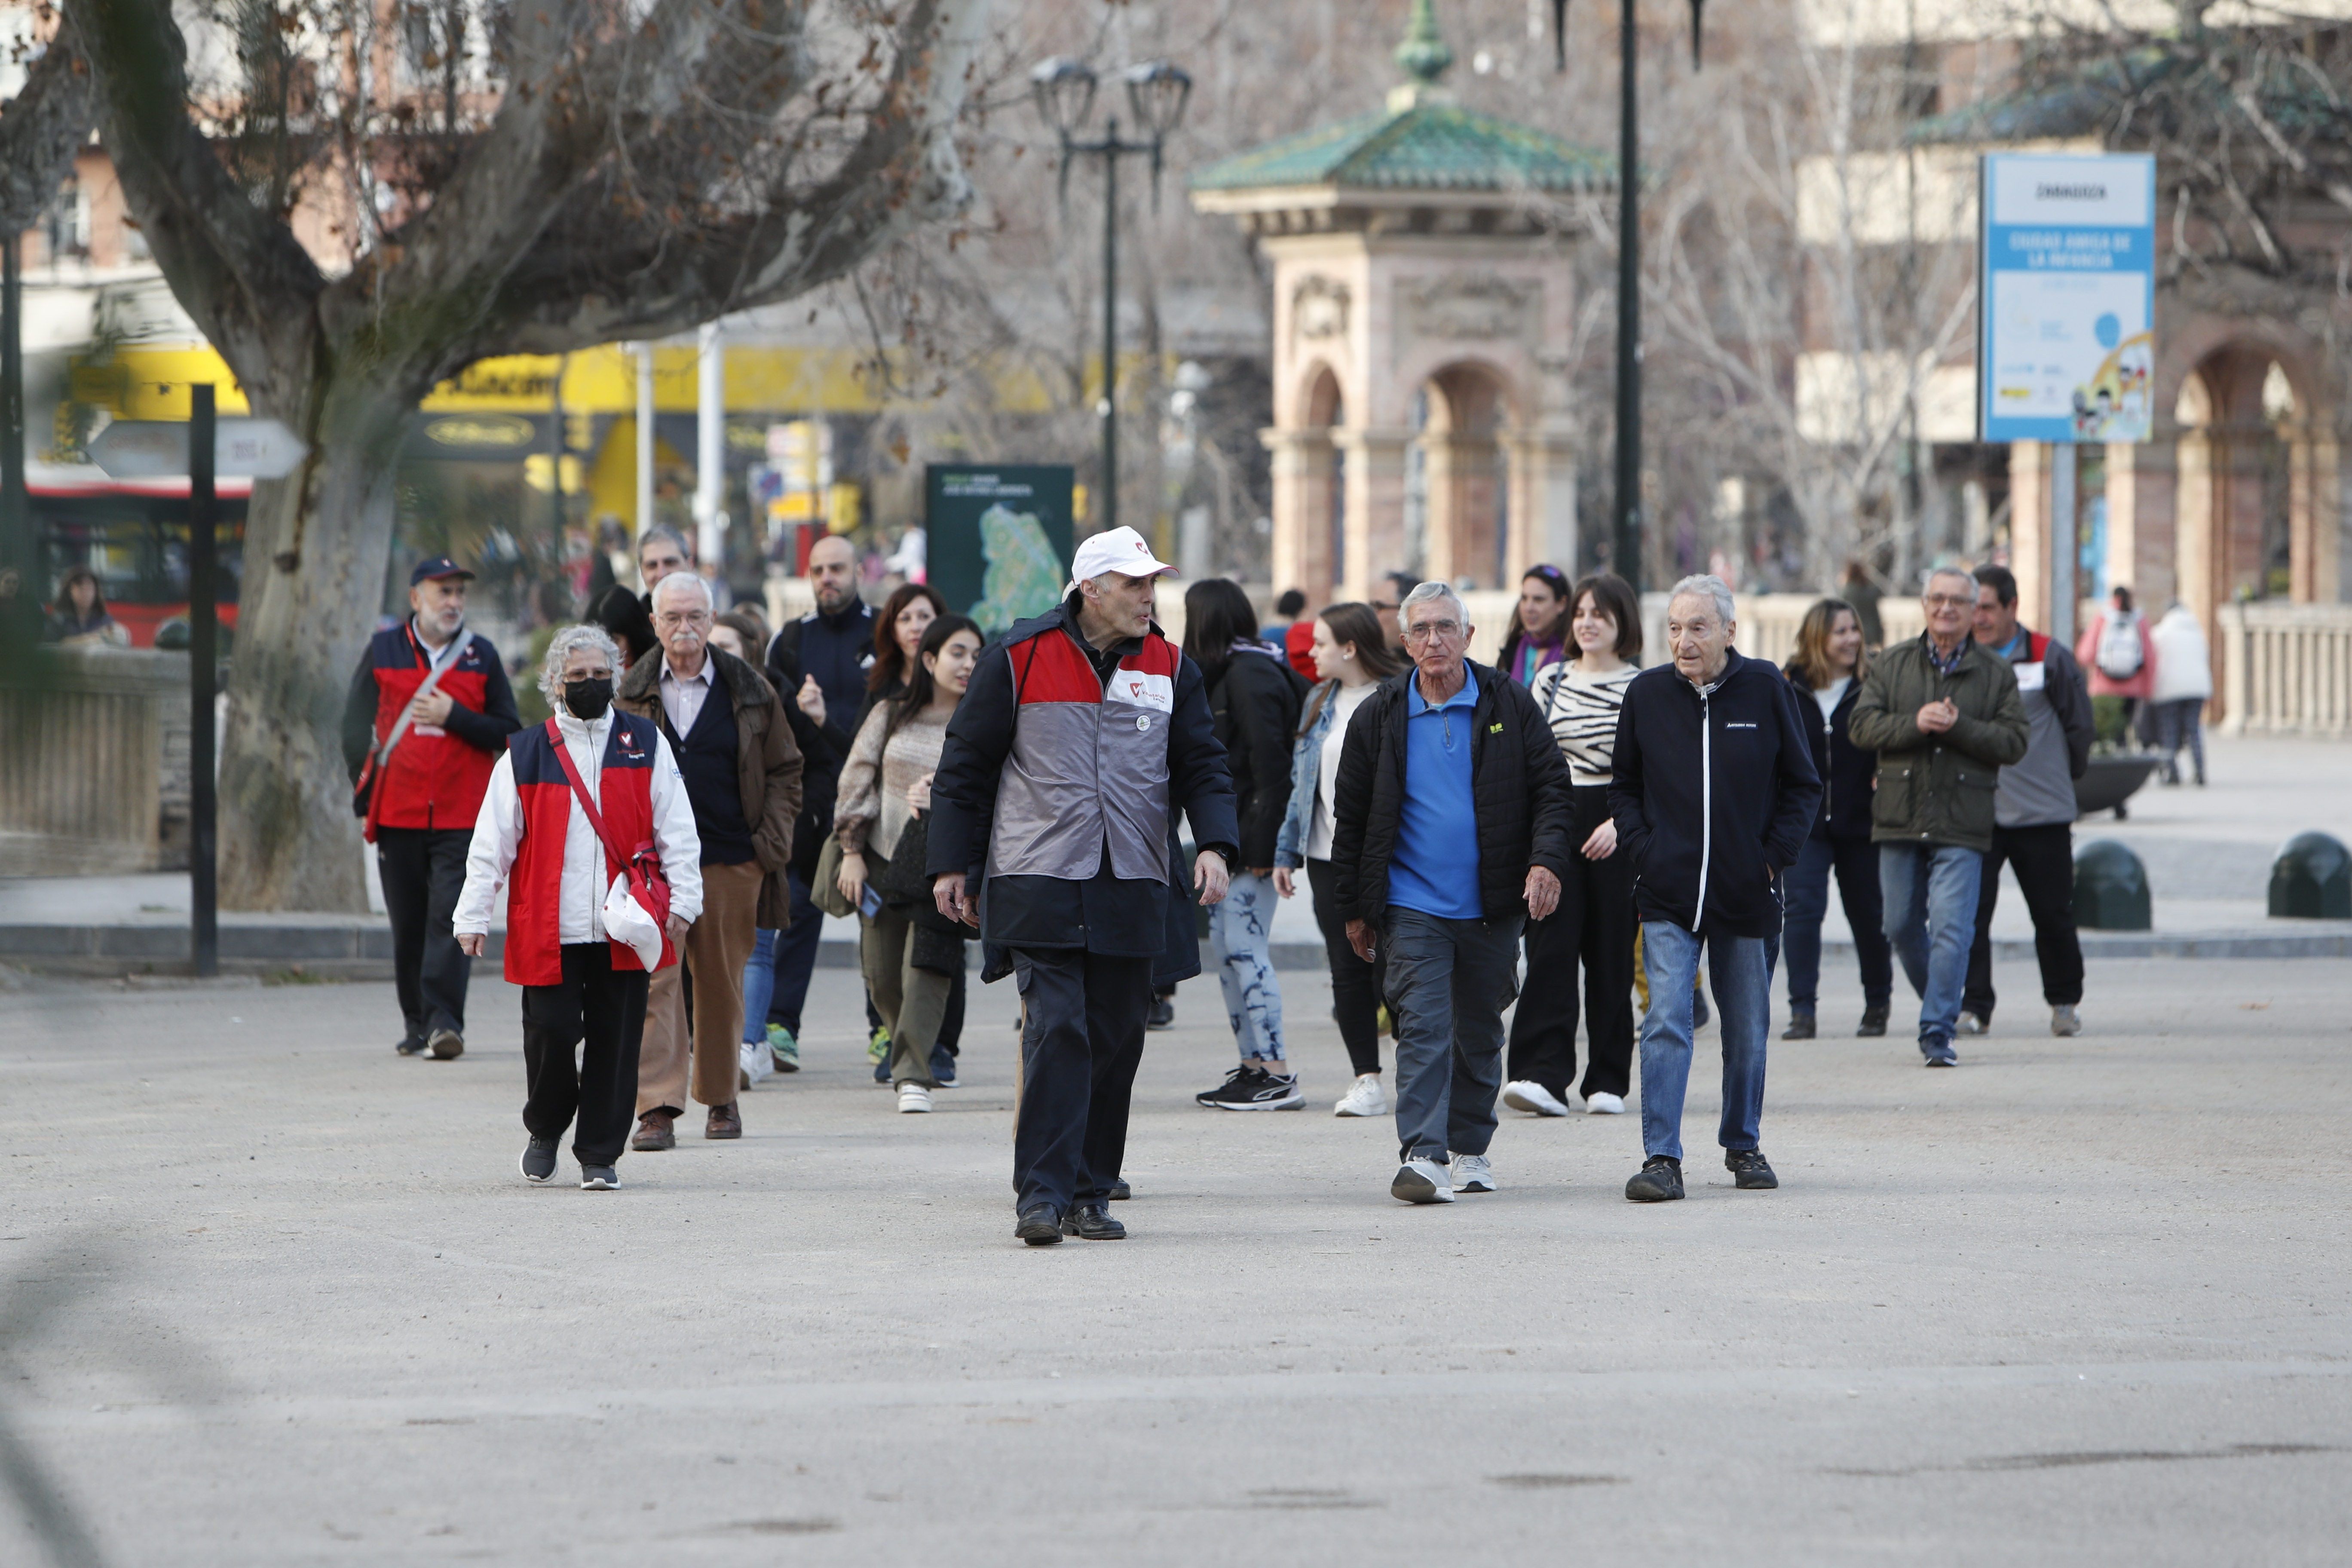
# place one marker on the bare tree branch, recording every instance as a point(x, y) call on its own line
point(41, 128)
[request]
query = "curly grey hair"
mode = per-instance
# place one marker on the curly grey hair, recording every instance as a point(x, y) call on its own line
point(1711, 588)
point(561, 647)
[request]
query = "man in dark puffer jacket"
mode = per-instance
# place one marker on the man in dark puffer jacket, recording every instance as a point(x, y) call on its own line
point(1450, 830)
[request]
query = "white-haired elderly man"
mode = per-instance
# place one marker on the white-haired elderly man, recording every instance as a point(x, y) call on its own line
point(1714, 791)
point(1449, 830)
point(583, 987)
point(742, 770)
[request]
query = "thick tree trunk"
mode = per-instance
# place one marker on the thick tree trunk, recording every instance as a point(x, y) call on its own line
point(315, 546)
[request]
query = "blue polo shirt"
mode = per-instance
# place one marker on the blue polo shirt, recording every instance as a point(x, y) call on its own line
point(1435, 868)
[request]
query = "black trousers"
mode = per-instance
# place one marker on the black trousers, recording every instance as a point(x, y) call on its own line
point(2043, 859)
point(601, 1011)
point(1594, 925)
point(1355, 985)
point(424, 870)
point(1081, 1041)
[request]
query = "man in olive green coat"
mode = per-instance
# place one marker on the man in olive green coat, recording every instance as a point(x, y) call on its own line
point(1945, 718)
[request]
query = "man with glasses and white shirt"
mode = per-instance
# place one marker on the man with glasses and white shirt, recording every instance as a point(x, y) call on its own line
point(1451, 829)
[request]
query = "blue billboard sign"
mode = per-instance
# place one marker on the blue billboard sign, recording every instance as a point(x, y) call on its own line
point(2067, 300)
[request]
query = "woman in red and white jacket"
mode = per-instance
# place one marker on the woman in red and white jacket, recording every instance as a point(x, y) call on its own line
point(581, 985)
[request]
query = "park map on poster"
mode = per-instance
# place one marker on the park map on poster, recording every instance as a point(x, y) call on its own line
point(2067, 348)
point(999, 539)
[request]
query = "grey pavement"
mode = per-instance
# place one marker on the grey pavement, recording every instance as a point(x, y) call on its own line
point(2080, 1302)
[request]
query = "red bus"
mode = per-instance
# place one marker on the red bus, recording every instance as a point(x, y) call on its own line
point(135, 534)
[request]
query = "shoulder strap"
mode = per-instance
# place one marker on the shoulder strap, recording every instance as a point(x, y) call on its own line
point(579, 793)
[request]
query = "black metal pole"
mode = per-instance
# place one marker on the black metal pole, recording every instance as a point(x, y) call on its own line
point(204, 619)
point(1626, 549)
point(1111, 150)
point(17, 548)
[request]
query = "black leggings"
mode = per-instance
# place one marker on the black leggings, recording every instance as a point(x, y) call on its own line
point(1594, 924)
point(1355, 985)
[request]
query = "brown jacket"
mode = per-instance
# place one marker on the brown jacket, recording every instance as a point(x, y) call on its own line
point(767, 764)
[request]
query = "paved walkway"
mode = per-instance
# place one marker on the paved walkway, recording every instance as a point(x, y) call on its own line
point(2079, 1303)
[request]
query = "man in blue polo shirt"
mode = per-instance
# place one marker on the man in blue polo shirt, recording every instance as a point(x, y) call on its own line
point(1450, 828)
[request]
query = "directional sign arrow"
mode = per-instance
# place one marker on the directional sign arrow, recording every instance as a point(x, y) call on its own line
point(158, 450)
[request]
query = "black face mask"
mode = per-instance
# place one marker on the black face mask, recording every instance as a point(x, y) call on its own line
point(588, 699)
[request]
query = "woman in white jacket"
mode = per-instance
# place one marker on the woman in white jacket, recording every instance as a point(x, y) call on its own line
point(584, 985)
point(2184, 684)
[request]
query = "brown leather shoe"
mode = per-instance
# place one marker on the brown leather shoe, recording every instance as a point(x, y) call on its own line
point(726, 1121)
point(655, 1132)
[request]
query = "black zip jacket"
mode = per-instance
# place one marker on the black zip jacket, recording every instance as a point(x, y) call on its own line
point(1715, 792)
point(837, 649)
point(1103, 914)
point(1845, 767)
point(1518, 793)
point(1254, 699)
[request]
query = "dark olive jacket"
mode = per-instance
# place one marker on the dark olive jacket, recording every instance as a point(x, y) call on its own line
point(1938, 789)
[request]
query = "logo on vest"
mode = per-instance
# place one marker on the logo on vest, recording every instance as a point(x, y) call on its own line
point(631, 746)
point(1143, 690)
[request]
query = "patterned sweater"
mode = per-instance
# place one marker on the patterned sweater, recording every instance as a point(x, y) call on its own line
point(874, 781)
point(1582, 712)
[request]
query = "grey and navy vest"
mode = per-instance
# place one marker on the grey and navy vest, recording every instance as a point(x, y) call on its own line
point(1089, 764)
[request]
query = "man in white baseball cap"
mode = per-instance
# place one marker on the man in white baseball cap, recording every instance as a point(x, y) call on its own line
point(1080, 737)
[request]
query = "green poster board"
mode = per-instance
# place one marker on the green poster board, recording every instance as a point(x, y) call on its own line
point(997, 538)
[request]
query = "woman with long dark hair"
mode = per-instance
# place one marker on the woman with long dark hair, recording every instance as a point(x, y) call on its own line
point(1538, 638)
point(1353, 656)
point(898, 629)
point(1594, 924)
point(1253, 695)
point(79, 618)
point(911, 954)
point(1828, 667)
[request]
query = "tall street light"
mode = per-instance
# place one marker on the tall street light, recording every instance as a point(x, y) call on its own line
point(1626, 548)
point(1064, 94)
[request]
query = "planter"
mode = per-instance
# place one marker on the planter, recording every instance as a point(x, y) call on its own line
point(2110, 781)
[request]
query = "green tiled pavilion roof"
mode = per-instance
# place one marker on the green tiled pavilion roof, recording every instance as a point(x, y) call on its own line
point(1426, 146)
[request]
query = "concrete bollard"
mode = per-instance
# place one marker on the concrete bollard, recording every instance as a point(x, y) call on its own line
point(2312, 880)
point(2110, 888)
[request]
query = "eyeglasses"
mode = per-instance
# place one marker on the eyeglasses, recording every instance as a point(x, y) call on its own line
point(1951, 602)
point(683, 618)
point(1422, 631)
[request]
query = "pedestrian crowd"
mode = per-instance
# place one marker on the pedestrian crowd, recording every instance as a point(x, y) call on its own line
point(1493, 854)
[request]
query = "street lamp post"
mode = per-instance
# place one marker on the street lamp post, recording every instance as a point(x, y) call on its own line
point(1157, 92)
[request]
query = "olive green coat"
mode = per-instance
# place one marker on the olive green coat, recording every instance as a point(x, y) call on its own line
point(1938, 789)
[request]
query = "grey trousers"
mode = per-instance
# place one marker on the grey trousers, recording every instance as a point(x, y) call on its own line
point(1448, 983)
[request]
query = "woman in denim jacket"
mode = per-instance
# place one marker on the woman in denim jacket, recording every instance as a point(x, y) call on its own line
point(1353, 658)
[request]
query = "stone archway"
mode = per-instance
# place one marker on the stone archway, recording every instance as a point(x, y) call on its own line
point(1467, 532)
point(2254, 512)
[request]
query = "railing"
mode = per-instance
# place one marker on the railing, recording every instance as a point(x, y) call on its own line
point(83, 755)
point(2286, 670)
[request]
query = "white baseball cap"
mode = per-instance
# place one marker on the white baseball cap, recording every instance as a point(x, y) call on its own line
point(1121, 549)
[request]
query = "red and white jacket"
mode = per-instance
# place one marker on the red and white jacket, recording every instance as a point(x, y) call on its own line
point(556, 899)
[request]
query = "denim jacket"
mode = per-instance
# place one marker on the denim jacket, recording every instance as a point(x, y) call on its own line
point(1306, 770)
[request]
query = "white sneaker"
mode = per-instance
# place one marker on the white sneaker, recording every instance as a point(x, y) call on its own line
point(1472, 1173)
point(1422, 1181)
point(1604, 1104)
point(913, 1098)
point(756, 1062)
point(2065, 1023)
point(1364, 1098)
point(1969, 1024)
point(1525, 1094)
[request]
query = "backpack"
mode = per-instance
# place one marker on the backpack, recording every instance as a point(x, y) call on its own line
point(2120, 654)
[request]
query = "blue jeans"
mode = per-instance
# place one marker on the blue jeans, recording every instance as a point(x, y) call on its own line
point(1807, 886)
point(1243, 954)
point(1448, 983)
point(759, 984)
point(795, 960)
point(1740, 968)
point(1931, 916)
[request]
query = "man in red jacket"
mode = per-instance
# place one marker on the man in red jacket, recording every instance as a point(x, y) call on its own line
point(427, 718)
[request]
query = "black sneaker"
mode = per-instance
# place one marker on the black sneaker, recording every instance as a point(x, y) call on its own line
point(1658, 1180)
point(599, 1179)
point(1039, 1226)
point(1800, 1027)
point(1162, 1014)
point(1749, 1170)
point(447, 1045)
point(943, 1065)
point(1249, 1087)
point(1089, 1220)
point(1873, 1022)
point(539, 1160)
point(1120, 1192)
point(409, 1046)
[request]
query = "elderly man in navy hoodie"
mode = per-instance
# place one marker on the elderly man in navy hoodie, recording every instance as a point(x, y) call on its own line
point(1713, 790)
